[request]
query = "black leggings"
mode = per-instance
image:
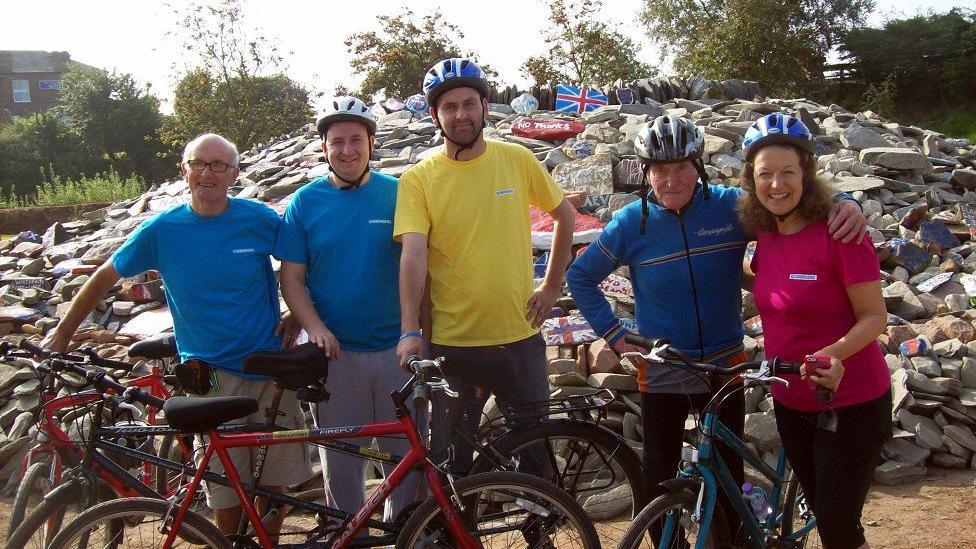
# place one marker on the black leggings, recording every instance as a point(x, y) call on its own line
point(835, 469)
point(663, 423)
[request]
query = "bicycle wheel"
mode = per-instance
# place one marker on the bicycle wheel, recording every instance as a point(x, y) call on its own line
point(504, 509)
point(40, 526)
point(30, 493)
point(666, 523)
point(799, 524)
point(174, 448)
point(589, 462)
point(137, 523)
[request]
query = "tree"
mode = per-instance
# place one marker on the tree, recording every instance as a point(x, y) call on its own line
point(117, 119)
point(782, 44)
point(923, 58)
point(261, 109)
point(398, 56)
point(33, 145)
point(584, 50)
point(235, 85)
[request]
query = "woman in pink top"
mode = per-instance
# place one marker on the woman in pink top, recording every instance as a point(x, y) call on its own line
point(817, 297)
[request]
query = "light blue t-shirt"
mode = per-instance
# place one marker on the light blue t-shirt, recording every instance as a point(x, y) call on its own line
point(345, 238)
point(220, 286)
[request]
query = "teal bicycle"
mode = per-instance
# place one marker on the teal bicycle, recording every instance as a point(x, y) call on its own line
point(687, 515)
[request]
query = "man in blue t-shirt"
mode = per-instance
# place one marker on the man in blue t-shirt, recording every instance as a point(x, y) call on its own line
point(339, 277)
point(213, 255)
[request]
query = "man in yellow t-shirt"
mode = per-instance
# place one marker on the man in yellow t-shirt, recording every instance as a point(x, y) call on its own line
point(463, 218)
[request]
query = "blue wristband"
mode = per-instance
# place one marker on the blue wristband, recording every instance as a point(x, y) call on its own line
point(410, 334)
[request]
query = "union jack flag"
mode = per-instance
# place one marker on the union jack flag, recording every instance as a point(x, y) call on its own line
point(578, 100)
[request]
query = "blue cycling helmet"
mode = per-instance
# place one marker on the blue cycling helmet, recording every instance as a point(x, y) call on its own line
point(777, 128)
point(453, 73)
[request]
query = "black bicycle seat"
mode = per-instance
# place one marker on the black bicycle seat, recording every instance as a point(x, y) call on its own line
point(197, 415)
point(154, 348)
point(293, 368)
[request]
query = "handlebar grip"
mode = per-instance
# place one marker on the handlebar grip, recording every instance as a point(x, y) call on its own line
point(98, 360)
point(28, 346)
point(783, 367)
point(645, 342)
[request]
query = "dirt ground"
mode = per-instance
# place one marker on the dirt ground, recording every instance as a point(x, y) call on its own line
point(939, 511)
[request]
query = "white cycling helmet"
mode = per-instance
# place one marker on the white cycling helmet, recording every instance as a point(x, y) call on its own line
point(346, 109)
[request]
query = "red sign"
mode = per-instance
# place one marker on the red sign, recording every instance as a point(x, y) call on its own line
point(548, 129)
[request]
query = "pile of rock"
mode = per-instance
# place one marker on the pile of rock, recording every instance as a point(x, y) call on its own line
point(916, 188)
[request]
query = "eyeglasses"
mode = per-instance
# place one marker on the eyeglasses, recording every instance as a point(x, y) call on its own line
point(216, 166)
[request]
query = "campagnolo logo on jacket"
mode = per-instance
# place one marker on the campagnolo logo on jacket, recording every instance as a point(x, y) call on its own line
point(714, 231)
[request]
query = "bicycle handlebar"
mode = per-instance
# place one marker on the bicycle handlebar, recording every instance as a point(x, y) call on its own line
point(100, 379)
point(660, 350)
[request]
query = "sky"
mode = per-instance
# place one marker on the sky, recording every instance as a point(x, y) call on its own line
point(130, 36)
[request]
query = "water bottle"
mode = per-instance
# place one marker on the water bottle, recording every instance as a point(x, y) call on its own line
point(758, 501)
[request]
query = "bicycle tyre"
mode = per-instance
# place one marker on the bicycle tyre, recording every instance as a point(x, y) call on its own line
point(167, 480)
point(135, 517)
point(797, 515)
point(539, 509)
point(637, 535)
point(37, 482)
point(45, 521)
point(595, 465)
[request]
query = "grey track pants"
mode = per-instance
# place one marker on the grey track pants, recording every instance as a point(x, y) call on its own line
point(360, 384)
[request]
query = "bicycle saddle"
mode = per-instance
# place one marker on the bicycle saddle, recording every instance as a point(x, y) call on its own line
point(292, 369)
point(154, 348)
point(197, 415)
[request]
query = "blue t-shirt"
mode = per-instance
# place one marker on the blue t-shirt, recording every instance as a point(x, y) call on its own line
point(220, 286)
point(345, 239)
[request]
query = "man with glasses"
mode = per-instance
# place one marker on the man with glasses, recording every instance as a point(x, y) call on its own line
point(214, 257)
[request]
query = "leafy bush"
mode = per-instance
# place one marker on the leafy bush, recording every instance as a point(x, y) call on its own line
point(58, 191)
point(959, 123)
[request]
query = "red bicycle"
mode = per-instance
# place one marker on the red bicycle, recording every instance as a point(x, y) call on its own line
point(497, 509)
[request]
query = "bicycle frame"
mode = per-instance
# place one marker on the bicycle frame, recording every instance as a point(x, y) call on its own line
point(415, 458)
point(62, 449)
point(708, 465)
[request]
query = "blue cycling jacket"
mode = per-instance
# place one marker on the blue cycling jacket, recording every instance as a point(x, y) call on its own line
point(686, 271)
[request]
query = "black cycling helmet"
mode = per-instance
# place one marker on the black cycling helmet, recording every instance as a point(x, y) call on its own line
point(669, 139)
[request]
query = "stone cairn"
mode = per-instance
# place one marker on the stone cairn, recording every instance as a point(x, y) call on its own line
point(916, 188)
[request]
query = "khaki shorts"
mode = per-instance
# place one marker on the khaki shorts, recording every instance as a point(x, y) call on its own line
point(284, 464)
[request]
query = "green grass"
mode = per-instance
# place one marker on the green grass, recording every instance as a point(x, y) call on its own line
point(960, 123)
point(58, 191)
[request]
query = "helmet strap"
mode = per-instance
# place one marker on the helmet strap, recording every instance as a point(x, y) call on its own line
point(644, 210)
point(703, 175)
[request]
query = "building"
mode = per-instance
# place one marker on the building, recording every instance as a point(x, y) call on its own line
point(30, 81)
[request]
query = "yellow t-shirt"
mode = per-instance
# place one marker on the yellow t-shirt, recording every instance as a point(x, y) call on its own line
point(475, 215)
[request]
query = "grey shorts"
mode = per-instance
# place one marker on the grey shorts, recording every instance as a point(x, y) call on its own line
point(285, 464)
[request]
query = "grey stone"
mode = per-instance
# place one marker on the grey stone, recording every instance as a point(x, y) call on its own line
point(925, 365)
point(619, 382)
point(892, 473)
point(949, 461)
point(760, 429)
point(594, 175)
point(919, 382)
point(895, 158)
point(570, 379)
point(905, 452)
point(858, 137)
point(850, 184)
point(968, 373)
point(962, 435)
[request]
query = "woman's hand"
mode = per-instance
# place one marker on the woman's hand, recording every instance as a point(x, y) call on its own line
point(828, 378)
